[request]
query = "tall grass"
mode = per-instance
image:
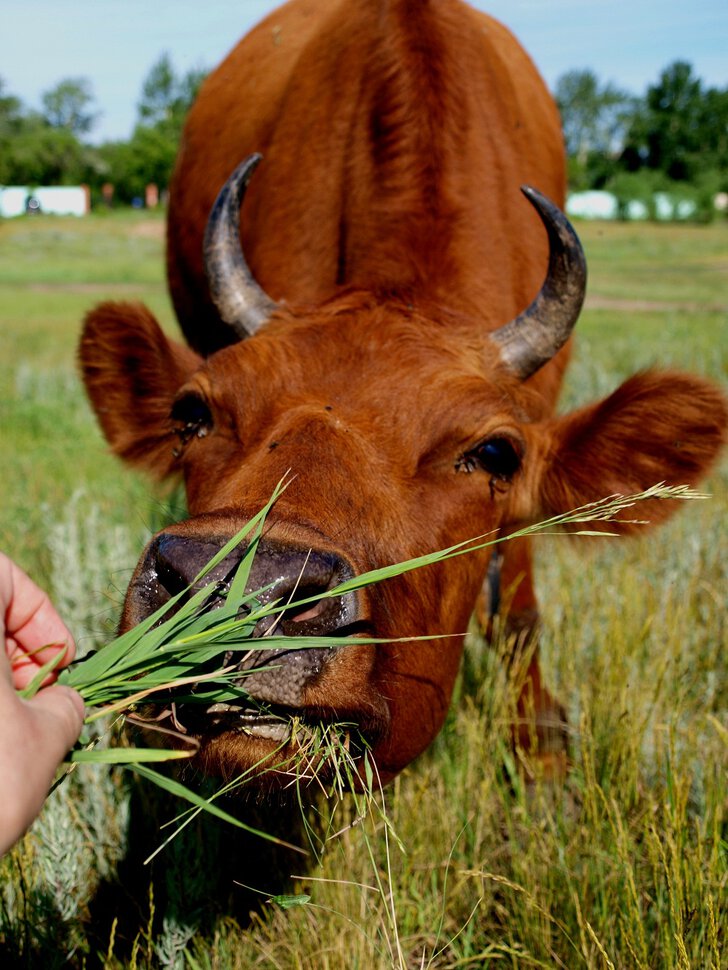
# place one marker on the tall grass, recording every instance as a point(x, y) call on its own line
point(624, 866)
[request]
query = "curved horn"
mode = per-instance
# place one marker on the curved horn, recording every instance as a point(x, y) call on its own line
point(535, 335)
point(239, 300)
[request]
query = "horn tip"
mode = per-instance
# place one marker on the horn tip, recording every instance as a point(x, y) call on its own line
point(540, 202)
point(245, 169)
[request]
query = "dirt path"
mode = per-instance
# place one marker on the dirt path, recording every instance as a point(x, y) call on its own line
point(121, 289)
point(651, 306)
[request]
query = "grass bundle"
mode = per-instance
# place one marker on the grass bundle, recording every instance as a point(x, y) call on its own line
point(185, 642)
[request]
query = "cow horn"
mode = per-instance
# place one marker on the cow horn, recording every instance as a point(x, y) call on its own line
point(535, 335)
point(242, 304)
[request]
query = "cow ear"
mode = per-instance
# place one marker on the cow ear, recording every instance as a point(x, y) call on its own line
point(132, 373)
point(656, 427)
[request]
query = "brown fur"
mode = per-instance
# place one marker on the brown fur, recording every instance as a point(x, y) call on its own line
point(387, 215)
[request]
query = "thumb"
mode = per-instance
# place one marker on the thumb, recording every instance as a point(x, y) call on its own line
point(61, 709)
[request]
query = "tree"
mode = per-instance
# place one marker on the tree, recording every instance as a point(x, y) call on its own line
point(714, 120)
point(67, 106)
point(10, 111)
point(35, 152)
point(595, 119)
point(147, 157)
point(150, 154)
point(10, 122)
point(681, 129)
point(41, 155)
point(166, 98)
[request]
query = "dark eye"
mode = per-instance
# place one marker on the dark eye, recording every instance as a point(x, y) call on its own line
point(191, 416)
point(499, 457)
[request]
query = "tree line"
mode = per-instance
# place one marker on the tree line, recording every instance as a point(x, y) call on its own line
point(674, 138)
point(50, 146)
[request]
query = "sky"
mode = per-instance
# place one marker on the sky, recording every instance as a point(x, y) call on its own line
point(114, 43)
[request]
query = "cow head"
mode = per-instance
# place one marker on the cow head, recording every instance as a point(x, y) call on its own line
point(404, 428)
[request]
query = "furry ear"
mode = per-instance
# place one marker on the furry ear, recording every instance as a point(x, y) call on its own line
point(658, 426)
point(132, 373)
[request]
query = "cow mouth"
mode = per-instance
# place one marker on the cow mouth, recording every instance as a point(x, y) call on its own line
point(273, 747)
point(279, 725)
point(270, 707)
point(255, 723)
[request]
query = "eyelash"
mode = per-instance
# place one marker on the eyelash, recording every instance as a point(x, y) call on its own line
point(498, 456)
point(193, 419)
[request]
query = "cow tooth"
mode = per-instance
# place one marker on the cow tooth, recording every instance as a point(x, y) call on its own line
point(222, 708)
point(270, 731)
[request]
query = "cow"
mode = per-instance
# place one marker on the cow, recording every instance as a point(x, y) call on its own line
point(378, 312)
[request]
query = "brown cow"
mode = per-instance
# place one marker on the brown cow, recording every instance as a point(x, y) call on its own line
point(374, 358)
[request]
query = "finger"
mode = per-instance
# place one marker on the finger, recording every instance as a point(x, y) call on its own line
point(31, 619)
point(62, 709)
point(34, 737)
point(25, 666)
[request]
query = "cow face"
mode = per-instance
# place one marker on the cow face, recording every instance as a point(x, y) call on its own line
point(401, 434)
point(394, 446)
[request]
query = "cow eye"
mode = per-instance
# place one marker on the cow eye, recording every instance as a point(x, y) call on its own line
point(498, 456)
point(191, 417)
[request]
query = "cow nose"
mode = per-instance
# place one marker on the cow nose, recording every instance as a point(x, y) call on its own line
point(279, 571)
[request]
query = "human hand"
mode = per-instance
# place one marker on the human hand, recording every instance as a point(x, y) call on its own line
point(35, 734)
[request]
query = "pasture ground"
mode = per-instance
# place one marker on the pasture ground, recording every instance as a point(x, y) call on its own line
point(626, 866)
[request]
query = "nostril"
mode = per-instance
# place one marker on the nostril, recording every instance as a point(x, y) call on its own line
point(171, 580)
point(312, 613)
point(169, 567)
point(302, 606)
point(178, 561)
point(305, 614)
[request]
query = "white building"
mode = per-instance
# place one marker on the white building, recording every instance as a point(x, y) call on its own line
point(59, 200)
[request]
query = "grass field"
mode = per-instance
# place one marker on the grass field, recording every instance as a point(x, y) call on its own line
point(625, 866)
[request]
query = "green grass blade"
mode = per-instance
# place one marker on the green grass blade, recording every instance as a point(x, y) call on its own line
point(126, 756)
point(34, 686)
point(176, 788)
point(239, 536)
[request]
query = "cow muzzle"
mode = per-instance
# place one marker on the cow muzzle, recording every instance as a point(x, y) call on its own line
point(288, 574)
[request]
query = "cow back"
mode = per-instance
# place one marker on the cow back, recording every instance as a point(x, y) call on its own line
point(395, 137)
